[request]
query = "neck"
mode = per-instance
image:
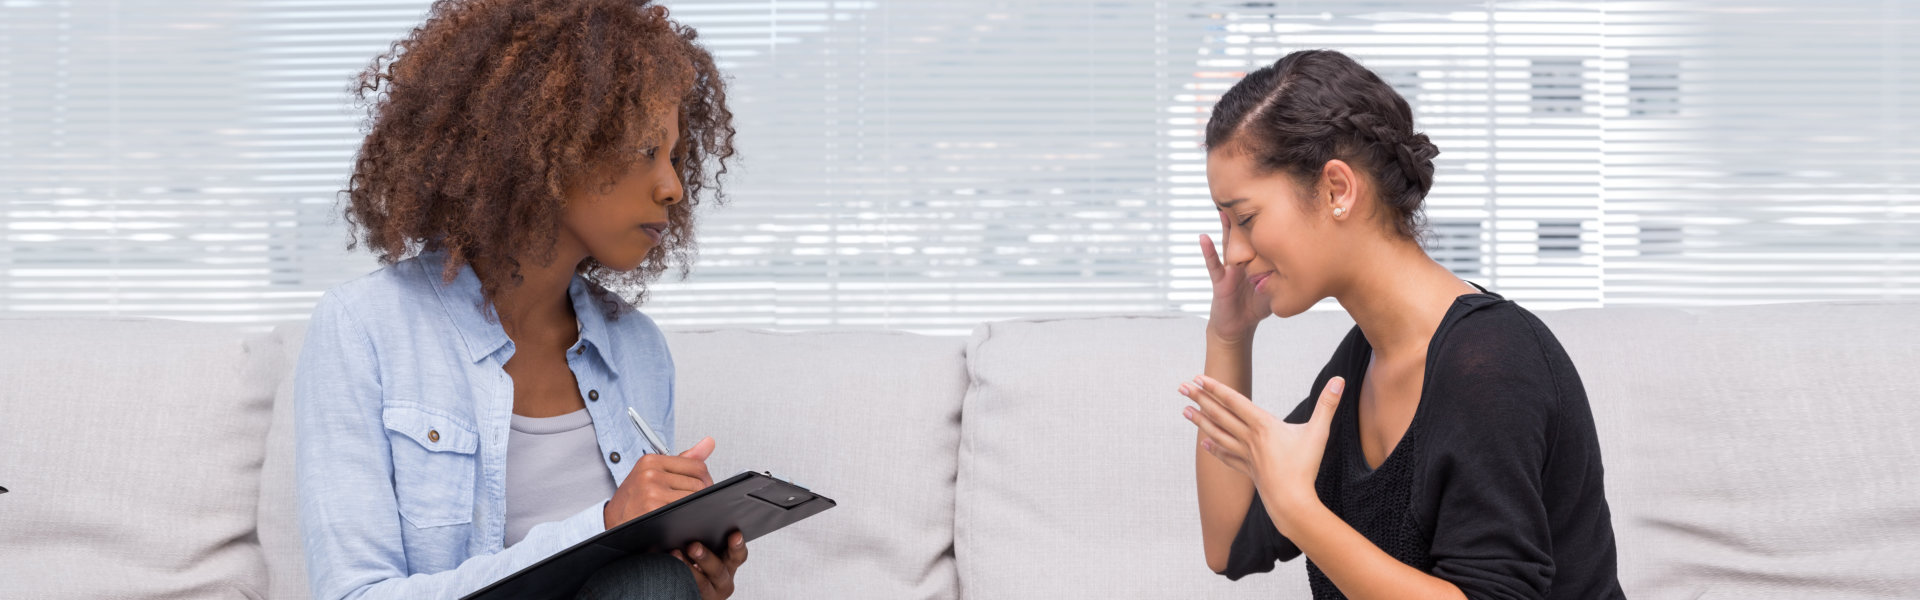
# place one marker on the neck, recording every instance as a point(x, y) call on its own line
point(1400, 298)
point(540, 302)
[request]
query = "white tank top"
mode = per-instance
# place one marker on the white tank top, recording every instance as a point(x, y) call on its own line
point(553, 471)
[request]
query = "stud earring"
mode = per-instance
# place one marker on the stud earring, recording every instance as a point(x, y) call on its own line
point(1338, 211)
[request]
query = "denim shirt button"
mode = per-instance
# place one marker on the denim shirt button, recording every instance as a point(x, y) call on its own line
point(433, 435)
point(615, 457)
point(593, 394)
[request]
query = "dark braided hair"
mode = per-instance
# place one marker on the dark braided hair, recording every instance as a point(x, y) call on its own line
point(1314, 106)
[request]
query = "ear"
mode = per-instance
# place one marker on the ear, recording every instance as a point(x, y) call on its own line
point(1340, 188)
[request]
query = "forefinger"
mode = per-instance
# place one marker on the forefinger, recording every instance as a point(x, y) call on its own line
point(1211, 256)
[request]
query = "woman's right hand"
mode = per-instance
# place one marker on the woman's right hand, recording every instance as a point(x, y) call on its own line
point(657, 480)
point(1237, 307)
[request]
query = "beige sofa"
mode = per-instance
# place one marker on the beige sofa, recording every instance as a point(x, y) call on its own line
point(1751, 452)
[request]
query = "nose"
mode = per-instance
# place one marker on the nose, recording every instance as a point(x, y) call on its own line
point(1239, 252)
point(671, 190)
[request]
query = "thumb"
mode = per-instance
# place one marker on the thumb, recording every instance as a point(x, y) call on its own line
point(700, 451)
point(1329, 401)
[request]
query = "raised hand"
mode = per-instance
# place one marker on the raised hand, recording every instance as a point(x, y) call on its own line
point(1237, 308)
point(1281, 458)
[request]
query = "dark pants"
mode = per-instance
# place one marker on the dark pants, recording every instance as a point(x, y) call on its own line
point(641, 577)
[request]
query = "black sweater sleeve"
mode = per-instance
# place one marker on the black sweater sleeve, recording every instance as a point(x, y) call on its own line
point(1258, 545)
point(1486, 452)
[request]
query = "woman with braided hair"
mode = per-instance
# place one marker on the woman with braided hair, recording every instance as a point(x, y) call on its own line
point(1449, 451)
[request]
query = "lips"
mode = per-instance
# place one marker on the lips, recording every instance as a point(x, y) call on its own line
point(1257, 280)
point(656, 230)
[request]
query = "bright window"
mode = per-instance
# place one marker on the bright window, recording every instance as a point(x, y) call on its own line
point(928, 165)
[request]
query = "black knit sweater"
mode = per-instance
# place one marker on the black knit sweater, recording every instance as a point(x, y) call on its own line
point(1496, 486)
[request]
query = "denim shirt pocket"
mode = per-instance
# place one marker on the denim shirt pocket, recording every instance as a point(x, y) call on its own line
point(434, 464)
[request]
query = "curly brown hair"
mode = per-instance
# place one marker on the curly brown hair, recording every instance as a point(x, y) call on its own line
point(484, 117)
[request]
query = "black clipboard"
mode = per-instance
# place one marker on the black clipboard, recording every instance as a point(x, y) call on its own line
point(755, 504)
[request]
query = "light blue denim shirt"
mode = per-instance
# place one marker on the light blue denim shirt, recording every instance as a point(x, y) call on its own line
point(402, 410)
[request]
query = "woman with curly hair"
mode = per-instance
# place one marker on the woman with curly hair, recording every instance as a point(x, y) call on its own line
point(1450, 451)
point(461, 413)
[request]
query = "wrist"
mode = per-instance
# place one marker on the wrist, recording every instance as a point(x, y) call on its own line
point(1290, 510)
point(1232, 340)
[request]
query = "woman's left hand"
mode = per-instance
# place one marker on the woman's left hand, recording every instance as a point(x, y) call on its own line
point(713, 573)
point(1282, 459)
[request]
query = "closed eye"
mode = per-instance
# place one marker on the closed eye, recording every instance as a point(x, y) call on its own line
point(1245, 219)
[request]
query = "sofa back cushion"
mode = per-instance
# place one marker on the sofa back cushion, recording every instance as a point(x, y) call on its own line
point(1750, 452)
point(1757, 451)
point(132, 450)
point(1076, 468)
point(870, 419)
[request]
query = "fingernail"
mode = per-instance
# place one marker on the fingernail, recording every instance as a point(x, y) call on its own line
point(1185, 391)
point(697, 553)
point(739, 543)
point(1206, 445)
point(1188, 412)
point(1339, 384)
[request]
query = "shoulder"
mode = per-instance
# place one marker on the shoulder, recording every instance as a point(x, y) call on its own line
point(403, 282)
point(1493, 342)
point(1485, 324)
point(399, 299)
point(1494, 373)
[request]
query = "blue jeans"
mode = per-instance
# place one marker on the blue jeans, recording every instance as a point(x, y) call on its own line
point(641, 577)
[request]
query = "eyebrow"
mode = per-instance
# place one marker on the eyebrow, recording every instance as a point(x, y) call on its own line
point(1229, 203)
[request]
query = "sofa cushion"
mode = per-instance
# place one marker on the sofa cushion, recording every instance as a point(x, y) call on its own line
point(132, 456)
point(1757, 451)
point(1751, 452)
point(870, 419)
point(1076, 468)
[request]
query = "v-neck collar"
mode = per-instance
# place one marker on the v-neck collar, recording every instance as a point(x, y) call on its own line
point(1347, 416)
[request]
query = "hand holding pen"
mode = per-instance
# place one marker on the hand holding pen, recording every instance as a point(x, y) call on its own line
point(660, 478)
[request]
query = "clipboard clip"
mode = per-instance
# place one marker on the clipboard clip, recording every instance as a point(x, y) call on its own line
point(782, 494)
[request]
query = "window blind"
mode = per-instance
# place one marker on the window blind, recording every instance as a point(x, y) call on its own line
point(926, 165)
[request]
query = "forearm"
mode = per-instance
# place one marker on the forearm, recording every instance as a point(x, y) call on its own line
point(1360, 569)
point(1225, 494)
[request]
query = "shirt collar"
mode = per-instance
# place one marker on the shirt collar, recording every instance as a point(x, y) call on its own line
point(482, 333)
point(588, 306)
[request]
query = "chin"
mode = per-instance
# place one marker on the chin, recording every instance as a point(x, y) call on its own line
point(1285, 306)
point(624, 258)
point(621, 263)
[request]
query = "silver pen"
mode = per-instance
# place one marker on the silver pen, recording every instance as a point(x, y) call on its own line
point(653, 439)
